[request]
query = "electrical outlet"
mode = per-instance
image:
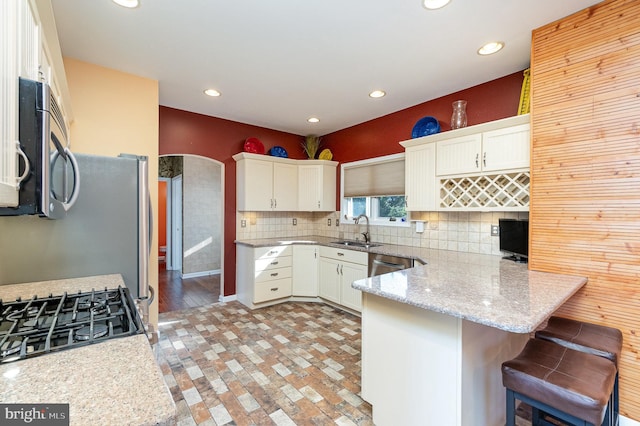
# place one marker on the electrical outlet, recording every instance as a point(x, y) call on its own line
point(495, 230)
point(338, 222)
point(295, 221)
point(328, 222)
point(243, 223)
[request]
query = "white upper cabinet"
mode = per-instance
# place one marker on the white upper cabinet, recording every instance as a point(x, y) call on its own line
point(420, 177)
point(285, 187)
point(317, 185)
point(459, 155)
point(505, 148)
point(265, 184)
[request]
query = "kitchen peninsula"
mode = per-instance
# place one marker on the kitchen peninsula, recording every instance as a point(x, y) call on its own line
point(434, 336)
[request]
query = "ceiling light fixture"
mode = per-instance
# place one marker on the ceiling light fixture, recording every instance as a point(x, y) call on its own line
point(212, 92)
point(127, 3)
point(434, 4)
point(491, 48)
point(377, 94)
point(313, 120)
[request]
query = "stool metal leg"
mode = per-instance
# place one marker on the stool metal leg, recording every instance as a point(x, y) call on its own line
point(511, 408)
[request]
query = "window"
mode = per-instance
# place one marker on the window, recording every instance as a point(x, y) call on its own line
point(375, 187)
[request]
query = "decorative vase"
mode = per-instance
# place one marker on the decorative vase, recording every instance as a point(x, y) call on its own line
point(459, 116)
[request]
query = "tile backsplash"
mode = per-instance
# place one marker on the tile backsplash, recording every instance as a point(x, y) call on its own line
point(457, 231)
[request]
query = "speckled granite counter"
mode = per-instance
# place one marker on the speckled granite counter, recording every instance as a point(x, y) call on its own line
point(481, 288)
point(113, 382)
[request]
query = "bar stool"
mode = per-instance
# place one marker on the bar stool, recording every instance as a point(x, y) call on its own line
point(589, 338)
point(572, 386)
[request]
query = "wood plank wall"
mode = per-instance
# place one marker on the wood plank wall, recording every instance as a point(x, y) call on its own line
point(585, 191)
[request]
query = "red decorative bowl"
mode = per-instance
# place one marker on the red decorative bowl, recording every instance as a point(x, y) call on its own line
point(254, 146)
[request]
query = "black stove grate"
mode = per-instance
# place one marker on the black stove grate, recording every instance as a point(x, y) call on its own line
point(41, 325)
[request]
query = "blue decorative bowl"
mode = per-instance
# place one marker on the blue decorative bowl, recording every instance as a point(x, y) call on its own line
point(278, 151)
point(425, 126)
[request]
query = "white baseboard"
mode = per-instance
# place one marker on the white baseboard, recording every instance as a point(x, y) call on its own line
point(201, 274)
point(229, 298)
point(627, 422)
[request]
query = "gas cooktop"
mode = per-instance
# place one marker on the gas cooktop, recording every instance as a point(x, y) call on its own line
point(38, 326)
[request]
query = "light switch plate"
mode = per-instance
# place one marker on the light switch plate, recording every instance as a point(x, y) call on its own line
point(295, 221)
point(495, 230)
point(243, 223)
point(328, 222)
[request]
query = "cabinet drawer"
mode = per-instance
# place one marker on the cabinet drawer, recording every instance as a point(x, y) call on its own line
point(269, 263)
point(352, 256)
point(270, 252)
point(270, 290)
point(273, 274)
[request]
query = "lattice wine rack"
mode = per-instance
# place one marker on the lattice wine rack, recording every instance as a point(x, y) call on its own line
point(508, 191)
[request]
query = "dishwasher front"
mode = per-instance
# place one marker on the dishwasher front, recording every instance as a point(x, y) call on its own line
point(383, 263)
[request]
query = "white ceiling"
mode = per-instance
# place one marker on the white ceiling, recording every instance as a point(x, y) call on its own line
point(280, 62)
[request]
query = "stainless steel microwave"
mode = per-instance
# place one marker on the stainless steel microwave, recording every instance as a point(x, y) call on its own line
point(51, 183)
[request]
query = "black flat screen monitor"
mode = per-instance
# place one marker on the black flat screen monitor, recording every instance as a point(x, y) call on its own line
point(514, 238)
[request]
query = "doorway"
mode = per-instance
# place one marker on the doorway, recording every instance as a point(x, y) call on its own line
point(192, 272)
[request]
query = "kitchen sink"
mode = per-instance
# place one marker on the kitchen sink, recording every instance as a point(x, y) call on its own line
point(356, 244)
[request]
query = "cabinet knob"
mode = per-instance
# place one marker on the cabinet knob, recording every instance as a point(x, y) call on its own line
point(340, 254)
point(484, 159)
point(275, 274)
point(275, 262)
point(274, 289)
point(477, 158)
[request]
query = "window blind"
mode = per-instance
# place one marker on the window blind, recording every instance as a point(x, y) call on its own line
point(375, 179)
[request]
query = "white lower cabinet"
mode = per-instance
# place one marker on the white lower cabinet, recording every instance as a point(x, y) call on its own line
point(337, 270)
point(269, 275)
point(305, 270)
point(263, 274)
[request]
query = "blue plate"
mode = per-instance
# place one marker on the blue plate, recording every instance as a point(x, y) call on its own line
point(278, 151)
point(425, 126)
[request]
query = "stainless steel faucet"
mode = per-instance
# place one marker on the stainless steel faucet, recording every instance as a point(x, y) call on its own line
point(366, 235)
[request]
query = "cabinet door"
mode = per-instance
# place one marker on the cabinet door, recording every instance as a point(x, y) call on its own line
point(285, 187)
point(506, 149)
point(8, 102)
point(305, 271)
point(309, 188)
point(349, 296)
point(254, 185)
point(29, 41)
point(420, 177)
point(316, 187)
point(458, 155)
point(329, 279)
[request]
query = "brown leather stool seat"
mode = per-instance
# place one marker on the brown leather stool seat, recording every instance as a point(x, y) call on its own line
point(573, 386)
point(584, 337)
point(590, 338)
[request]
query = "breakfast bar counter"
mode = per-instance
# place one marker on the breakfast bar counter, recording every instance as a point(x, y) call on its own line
point(434, 336)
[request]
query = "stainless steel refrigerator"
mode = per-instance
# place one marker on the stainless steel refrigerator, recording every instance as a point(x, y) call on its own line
point(107, 231)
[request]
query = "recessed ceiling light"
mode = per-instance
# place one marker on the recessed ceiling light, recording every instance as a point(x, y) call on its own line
point(127, 3)
point(434, 4)
point(212, 92)
point(377, 94)
point(313, 120)
point(491, 48)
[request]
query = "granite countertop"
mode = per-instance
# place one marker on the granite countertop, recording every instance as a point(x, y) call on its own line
point(485, 289)
point(390, 249)
point(115, 382)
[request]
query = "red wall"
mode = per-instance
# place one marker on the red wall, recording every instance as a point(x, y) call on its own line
point(183, 132)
